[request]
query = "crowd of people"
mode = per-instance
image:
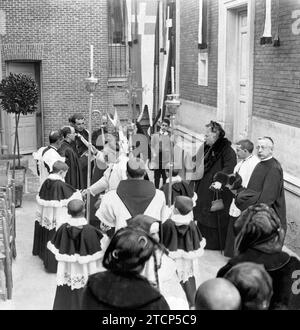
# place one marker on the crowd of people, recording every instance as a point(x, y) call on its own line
point(143, 234)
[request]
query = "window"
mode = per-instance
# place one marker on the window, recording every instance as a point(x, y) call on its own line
point(117, 48)
point(116, 21)
point(203, 69)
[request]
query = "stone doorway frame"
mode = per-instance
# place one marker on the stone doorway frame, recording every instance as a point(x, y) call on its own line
point(227, 55)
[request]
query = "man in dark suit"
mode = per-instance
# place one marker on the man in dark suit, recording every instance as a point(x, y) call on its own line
point(74, 174)
point(160, 152)
point(78, 122)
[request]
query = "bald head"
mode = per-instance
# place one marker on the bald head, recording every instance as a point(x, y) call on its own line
point(59, 166)
point(55, 137)
point(136, 168)
point(217, 294)
point(76, 208)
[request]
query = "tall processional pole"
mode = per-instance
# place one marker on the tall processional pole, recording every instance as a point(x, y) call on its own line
point(172, 104)
point(90, 84)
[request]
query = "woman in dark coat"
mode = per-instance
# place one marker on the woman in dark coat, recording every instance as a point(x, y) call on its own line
point(218, 156)
point(259, 239)
point(122, 286)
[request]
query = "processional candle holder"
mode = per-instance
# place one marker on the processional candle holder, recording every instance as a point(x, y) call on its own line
point(172, 104)
point(90, 84)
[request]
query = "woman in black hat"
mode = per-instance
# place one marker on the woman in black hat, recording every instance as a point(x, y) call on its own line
point(259, 239)
point(218, 156)
point(122, 286)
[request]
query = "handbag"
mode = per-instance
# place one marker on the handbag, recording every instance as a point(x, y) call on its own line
point(217, 203)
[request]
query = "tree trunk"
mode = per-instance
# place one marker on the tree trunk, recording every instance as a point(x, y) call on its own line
point(15, 144)
point(18, 144)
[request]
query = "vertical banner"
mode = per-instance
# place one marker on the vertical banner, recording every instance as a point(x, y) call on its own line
point(147, 11)
point(128, 21)
point(267, 35)
point(142, 52)
point(202, 28)
point(156, 62)
point(166, 57)
point(276, 42)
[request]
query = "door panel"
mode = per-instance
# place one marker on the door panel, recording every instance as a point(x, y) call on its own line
point(241, 122)
point(27, 124)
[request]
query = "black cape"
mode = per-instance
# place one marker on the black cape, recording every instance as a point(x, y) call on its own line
point(136, 195)
point(71, 240)
point(111, 291)
point(187, 238)
point(178, 189)
point(265, 186)
point(74, 175)
point(55, 190)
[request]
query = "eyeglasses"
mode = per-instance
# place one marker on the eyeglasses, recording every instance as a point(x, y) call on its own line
point(262, 147)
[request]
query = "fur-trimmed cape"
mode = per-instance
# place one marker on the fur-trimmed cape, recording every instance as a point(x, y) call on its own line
point(79, 249)
point(52, 201)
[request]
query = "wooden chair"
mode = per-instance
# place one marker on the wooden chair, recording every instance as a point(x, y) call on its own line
point(5, 253)
point(3, 291)
point(7, 194)
point(4, 172)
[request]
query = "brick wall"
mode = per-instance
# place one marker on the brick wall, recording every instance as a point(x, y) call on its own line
point(117, 98)
point(189, 18)
point(277, 69)
point(62, 32)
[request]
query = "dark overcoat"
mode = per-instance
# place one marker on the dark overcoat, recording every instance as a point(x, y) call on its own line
point(74, 176)
point(112, 291)
point(283, 270)
point(219, 157)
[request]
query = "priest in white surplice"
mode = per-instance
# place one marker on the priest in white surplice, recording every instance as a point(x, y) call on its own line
point(132, 197)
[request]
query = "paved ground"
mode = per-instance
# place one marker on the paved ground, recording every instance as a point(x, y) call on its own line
point(33, 287)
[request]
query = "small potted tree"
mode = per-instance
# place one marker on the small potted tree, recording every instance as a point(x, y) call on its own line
point(19, 96)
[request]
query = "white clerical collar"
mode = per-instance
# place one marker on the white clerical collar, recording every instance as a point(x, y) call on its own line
point(55, 176)
point(182, 219)
point(264, 160)
point(176, 178)
point(76, 222)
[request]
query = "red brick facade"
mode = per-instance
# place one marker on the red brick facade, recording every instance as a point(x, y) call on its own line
point(189, 18)
point(276, 84)
point(276, 94)
point(58, 34)
point(276, 69)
